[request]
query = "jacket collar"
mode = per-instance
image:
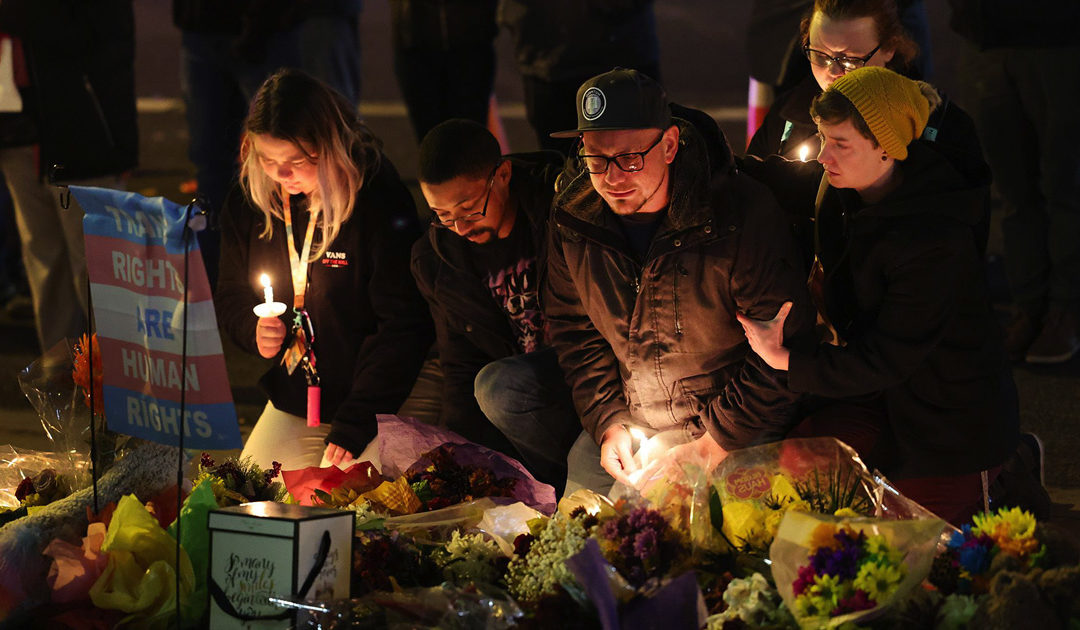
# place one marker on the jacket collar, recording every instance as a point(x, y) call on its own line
point(690, 178)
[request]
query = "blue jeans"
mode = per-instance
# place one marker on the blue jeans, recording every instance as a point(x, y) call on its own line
point(526, 397)
point(584, 469)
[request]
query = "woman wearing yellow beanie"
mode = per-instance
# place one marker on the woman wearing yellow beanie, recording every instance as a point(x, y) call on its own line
point(915, 377)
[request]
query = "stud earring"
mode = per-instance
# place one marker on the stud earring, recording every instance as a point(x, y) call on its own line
point(884, 157)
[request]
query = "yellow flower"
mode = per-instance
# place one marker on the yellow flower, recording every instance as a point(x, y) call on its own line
point(879, 581)
point(1013, 530)
point(824, 535)
point(878, 547)
point(741, 518)
point(846, 512)
point(782, 490)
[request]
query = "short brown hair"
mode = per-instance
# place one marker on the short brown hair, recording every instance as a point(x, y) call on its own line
point(890, 31)
point(832, 108)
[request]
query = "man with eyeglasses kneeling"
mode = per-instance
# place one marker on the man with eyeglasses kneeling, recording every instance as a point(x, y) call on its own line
point(654, 249)
point(479, 267)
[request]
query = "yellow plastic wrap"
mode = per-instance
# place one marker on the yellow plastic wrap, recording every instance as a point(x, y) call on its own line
point(140, 578)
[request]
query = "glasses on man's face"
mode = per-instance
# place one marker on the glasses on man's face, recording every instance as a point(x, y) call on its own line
point(472, 217)
point(627, 162)
point(826, 61)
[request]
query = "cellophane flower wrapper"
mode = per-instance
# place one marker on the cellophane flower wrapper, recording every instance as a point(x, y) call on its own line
point(441, 607)
point(742, 501)
point(48, 384)
point(799, 536)
point(403, 442)
point(500, 518)
point(17, 464)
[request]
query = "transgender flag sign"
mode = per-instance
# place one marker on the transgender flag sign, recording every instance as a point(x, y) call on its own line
point(135, 257)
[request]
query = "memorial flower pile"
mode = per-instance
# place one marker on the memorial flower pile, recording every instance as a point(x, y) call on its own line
point(538, 568)
point(439, 480)
point(641, 545)
point(847, 572)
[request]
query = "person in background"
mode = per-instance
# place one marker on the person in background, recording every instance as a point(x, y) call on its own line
point(68, 117)
point(444, 59)
point(479, 267)
point(558, 44)
point(227, 50)
point(914, 374)
point(653, 251)
point(836, 36)
point(1024, 71)
point(323, 214)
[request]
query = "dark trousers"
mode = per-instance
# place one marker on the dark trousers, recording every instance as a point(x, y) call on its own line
point(527, 398)
point(442, 84)
point(1024, 106)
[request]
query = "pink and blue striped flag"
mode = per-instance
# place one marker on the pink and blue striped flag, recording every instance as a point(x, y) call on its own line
point(135, 258)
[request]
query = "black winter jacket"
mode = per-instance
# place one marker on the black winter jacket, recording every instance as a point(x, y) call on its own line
point(372, 331)
point(81, 61)
point(471, 329)
point(657, 344)
point(905, 286)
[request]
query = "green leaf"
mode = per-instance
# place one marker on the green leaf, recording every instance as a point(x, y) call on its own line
point(716, 509)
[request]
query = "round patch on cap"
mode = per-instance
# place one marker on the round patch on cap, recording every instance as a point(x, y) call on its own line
point(593, 103)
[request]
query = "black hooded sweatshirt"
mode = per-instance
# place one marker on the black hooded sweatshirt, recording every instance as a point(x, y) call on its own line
point(905, 287)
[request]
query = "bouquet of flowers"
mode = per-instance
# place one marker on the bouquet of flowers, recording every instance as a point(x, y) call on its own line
point(1005, 569)
point(237, 481)
point(832, 570)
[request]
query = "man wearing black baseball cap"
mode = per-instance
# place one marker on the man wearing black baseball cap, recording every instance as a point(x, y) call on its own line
point(653, 250)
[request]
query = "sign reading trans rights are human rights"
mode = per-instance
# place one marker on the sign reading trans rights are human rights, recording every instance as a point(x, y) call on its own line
point(135, 257)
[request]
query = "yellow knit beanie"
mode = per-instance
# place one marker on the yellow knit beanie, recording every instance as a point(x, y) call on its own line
point(892, 105)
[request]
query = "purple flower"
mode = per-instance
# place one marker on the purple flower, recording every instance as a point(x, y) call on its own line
point(843, 562)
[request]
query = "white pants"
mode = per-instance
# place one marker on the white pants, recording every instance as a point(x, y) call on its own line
point(282, 437)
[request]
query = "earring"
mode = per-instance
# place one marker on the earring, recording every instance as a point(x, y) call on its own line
point(884, 157)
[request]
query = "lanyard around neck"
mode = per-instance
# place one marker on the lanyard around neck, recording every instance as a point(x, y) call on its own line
point(298, 263)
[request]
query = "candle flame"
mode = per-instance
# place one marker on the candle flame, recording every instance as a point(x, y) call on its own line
point(637, 434)
point(804, 151)
point(264, 280)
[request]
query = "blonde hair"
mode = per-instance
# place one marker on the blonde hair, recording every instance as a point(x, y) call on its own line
point(293, 106)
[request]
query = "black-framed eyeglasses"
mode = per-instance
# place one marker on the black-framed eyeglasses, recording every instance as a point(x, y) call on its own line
point(627, 162)
point(472, 217)
point(823, 60)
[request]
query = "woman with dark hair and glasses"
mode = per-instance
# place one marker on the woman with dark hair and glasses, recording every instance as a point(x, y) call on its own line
point(322, 213)
point(913, 374)
point(839, 36)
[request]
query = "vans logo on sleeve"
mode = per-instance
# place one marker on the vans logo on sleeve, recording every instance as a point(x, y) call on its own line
point(335, 260)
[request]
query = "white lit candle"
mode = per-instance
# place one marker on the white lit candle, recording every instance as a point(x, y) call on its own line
point(804, 151)
point(268, 291)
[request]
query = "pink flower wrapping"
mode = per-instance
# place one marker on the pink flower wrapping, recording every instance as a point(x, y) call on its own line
point(75, 568)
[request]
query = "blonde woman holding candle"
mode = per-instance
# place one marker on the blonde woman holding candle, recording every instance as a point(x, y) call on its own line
point(324, 216)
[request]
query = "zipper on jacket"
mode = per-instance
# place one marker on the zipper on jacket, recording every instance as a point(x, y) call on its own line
point(679, 271)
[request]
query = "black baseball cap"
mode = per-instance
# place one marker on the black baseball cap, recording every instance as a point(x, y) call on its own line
point(619, 99)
